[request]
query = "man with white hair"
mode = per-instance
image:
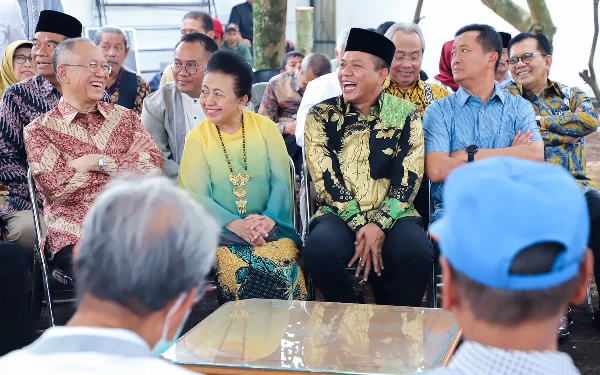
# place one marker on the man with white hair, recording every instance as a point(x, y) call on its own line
point(146, 249)
point(325, 87)
point(404, 80)
point(79, 146)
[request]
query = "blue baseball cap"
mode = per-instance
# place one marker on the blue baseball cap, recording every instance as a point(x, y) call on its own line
point(495, 208)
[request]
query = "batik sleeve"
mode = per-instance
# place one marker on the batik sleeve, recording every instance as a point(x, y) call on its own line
point(572, 123)
point(325, 169)
point(147, 162)
point(406, 175)
point(53, 177)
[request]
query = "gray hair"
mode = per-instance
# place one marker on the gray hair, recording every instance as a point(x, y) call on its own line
point(406, 28)
point(66, 49)
point(342, 39)
point(110, 29)
point(144, 243)
point(317, 62)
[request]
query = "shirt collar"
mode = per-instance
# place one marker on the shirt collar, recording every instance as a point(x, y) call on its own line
point(68, 112)
point(462, 96)
point(375, 107)
point(390, 84)
point(552, 85)
point(115, 333)
point(474, 358)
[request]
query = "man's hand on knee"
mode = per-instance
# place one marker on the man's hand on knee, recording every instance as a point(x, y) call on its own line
point(369, 242)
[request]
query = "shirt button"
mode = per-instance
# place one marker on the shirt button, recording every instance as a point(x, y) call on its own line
point(482, 111)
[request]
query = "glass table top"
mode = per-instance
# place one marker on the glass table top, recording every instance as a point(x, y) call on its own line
point(324, 337)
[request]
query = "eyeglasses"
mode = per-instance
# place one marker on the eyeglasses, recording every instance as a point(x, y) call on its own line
point(410, 59)
point(526, 58)
point(20, 59)
point(190, 68)
point(94, 67)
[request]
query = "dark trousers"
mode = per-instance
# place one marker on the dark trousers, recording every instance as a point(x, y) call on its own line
point(407, 259)
point(593, 201)
point(16, 328)
point(63, 259)
point(294, 151)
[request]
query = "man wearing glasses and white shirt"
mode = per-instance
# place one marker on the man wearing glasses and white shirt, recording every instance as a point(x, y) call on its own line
point(170, 113)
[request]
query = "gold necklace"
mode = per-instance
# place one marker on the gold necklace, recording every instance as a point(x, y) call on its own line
point(239, 180)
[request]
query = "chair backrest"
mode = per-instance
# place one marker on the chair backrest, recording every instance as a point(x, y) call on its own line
point(264, 75)
point(293, 185)
point(258, 90)
point(34, 206)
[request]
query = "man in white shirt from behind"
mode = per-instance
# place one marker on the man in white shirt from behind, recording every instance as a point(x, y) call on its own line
point(322, 88)
point(509, 299)
point(11, 24)
point(141, 264)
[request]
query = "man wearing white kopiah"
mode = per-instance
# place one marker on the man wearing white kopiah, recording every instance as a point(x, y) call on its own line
point(141, 264)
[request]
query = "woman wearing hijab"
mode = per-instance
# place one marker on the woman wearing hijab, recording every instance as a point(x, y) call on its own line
point(445, 78)
point(16, 64)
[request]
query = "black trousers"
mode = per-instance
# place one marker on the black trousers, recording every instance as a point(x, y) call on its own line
point(16, 327)
point(294, 151)
point(593, 201)
point(63, 259)
point(407, 259)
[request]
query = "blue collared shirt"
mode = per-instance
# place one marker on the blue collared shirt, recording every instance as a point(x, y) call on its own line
point(461, 119)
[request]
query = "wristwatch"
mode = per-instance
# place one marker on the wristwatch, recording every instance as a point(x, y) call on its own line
point(471, 151)
point(100, 163)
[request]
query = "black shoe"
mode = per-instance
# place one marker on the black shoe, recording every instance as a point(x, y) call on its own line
point(564, 329)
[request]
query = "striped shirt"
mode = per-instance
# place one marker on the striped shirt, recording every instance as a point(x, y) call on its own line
point(64, 134)
point(476, 359)
point(461, 119)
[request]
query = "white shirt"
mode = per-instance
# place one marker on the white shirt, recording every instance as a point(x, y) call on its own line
point(86, 350)
point(317, 90)
point(475, 359)
point(11, 24)
point(194, 114)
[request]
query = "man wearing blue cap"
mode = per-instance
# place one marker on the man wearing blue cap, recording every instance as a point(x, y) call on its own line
point(507, 279)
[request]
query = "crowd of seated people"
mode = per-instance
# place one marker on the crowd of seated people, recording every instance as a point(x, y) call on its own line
point(371, 132)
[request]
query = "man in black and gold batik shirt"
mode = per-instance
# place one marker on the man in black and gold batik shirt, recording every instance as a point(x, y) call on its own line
point(365, 154)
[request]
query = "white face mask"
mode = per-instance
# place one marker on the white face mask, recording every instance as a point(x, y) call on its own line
point(163, 344)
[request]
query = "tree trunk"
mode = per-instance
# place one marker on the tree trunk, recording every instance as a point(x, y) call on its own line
point(541, 19)
point(417, 16)
point(589, 76)
point(512, 13)
point(305, 34)
point(269, 33)
point(536, 20)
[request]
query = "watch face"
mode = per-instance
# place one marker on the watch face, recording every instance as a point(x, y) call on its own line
point(472, 149)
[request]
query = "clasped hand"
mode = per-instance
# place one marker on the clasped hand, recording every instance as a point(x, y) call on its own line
point(254, 229)
point(368, 246)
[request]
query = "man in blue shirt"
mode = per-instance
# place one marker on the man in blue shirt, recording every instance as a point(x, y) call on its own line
point(480, 120)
